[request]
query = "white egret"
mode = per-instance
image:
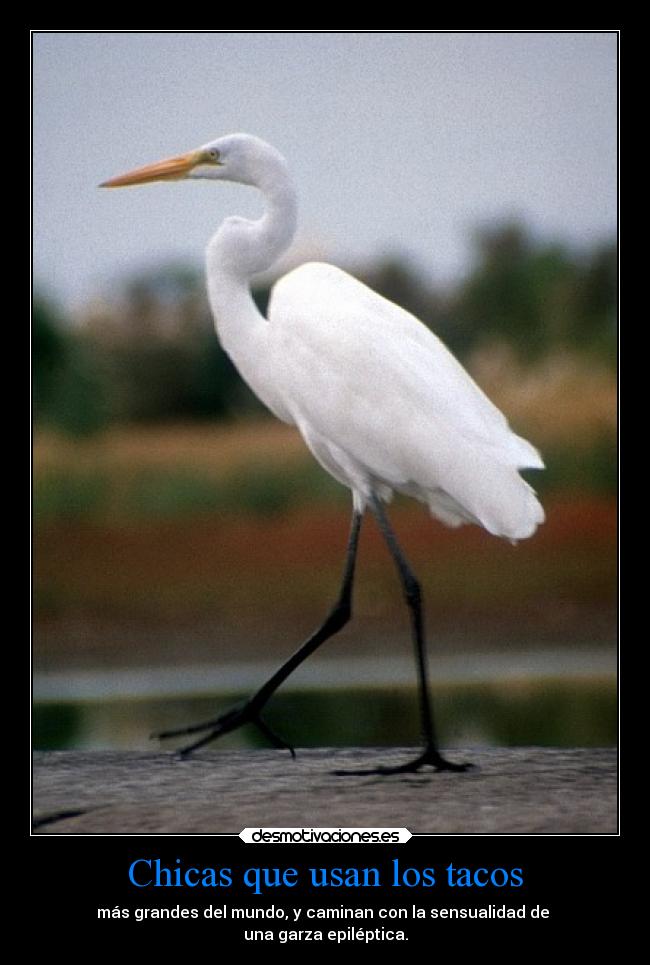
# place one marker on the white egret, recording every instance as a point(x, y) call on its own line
point(379, 400)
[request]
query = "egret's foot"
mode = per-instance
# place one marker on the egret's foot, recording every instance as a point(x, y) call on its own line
point(233, 719)
point(430, 758)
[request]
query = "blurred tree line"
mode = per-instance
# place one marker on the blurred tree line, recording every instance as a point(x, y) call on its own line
point(152, 355)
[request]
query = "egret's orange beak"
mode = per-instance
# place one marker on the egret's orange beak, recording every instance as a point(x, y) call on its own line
point(171, 169)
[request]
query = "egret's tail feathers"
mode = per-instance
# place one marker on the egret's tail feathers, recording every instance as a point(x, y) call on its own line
point(447, 509)
point(506, 505)
point(516, 514)
point(526, 455)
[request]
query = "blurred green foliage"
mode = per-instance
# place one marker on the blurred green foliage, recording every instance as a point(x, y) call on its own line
point(538, 296)
point(151, 355)
point(572, 468)
point(69, 391)
point(264, 490)
point(257, 490)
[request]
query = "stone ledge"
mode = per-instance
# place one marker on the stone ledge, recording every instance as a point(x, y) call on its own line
point(533, 790)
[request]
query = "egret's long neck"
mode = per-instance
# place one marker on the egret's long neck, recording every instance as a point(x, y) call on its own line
point(239, 250)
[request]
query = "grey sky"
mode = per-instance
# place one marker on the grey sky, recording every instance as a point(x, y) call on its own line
point(398, 142)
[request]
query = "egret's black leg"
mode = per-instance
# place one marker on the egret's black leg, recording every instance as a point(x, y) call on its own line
point(430, 755)
point(249, 712)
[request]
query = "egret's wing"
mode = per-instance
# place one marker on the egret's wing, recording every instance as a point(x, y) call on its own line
point(370, 382)
point(347, 332)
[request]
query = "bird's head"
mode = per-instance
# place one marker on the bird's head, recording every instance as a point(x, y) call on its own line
point(236, 157)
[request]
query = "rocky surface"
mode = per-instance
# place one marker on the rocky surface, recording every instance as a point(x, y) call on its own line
point(510, 791)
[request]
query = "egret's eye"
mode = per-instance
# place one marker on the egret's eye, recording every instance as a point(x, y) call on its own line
point(214, 155)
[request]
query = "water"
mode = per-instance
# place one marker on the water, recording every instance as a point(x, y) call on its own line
point(568, 711)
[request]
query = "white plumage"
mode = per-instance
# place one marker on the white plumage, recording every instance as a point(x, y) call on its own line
point(383, 405)
point(379, 400)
